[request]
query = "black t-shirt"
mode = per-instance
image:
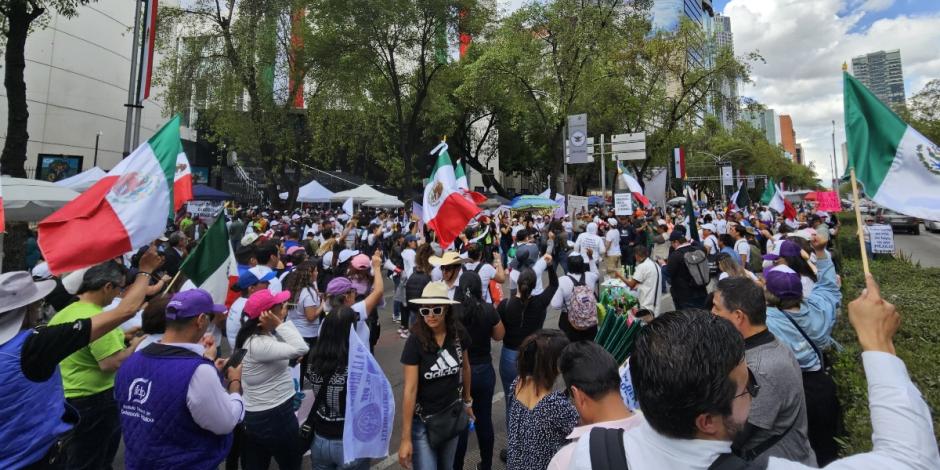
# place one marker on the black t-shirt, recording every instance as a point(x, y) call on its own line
point(439, 372)
point(480, 331)
point(47, 346)
point(679, 276)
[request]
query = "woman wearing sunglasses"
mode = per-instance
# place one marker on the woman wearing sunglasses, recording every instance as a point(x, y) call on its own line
point(437, 383)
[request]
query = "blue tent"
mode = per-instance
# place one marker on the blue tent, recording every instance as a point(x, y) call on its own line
point(202, 192)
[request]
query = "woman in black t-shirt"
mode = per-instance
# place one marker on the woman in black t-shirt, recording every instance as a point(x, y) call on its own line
point(482, 323)
point(437, 374)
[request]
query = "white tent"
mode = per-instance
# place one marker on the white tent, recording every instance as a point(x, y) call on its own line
point(313, 192)
point(360, 194)
point(388, 202)
point(26, 200)
point(82, 181)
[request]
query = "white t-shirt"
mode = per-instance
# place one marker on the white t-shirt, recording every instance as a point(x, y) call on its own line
point(595, 243)
point(486, 272)
point(743, 249)
point(649, 277)
point(308, 298)
point(538, 268)
point(613, 237)
point(711, 245)
point(566, 288)
point(233, 322)
point(274, 285)
point(722, 226)
point(808, 285)
point(408, 262)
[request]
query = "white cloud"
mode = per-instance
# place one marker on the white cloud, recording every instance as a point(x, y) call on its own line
point(805, 43)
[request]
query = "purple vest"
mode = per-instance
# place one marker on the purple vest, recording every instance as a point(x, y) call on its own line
point(159, 431)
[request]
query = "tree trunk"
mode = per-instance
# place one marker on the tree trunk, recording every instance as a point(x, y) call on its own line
point(13, 159)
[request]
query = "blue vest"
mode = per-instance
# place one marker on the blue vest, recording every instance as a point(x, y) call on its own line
point(159, 431)
point(30, 412)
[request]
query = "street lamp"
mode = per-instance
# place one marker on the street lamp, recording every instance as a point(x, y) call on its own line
point(97, 139)
point(719, 159)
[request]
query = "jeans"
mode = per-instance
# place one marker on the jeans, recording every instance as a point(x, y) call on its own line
point(327, 454)
point(507, 374)
point(271, 433)
point(426, 458)
point(93, 442)
point(482, 385)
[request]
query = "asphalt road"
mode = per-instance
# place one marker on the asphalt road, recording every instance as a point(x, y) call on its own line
point(923, 248)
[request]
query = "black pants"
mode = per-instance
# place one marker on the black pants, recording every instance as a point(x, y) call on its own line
point(573, 333)
point(271, 434)
point(93, 442)
point(823, 416)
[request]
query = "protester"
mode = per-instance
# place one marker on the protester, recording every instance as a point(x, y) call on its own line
point(437, 385)
point(487, 272)
point(414, 286)
point(362, 279)
point(342, 293)
point(304, 303)
point(612, 248)
point(776, 424)
point(482, 324)
point(647, 279)
point(741, 247)
point(592, 381)
point(728, 267)
point(175, 411)
point(249, 282)
point(539, 419)
point(686, 292)
point(271, 343)
point(268, 255)
point(567, 299)
point(591, 246)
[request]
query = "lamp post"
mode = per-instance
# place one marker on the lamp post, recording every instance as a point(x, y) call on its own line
point(97, 139)
point(719, 159)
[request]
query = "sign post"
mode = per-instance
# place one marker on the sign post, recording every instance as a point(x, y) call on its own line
point(577, 139)
point(628, 146)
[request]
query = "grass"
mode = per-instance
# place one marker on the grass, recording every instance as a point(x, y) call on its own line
point(915, 291)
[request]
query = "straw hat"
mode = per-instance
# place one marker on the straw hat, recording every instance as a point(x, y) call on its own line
point(435, 293)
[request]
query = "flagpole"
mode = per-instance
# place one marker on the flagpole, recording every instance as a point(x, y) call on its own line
point(858, 221)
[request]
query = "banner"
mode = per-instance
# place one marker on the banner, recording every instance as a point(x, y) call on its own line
point(623, 204)
point(206, 211)
point(828, 201)
point(882, 238)
point(627, 392)
point(727, 176)
point(577, 204)
point(370, 405)
point(577, 139)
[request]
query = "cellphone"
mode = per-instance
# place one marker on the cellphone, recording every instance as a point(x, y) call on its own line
point(236, 359)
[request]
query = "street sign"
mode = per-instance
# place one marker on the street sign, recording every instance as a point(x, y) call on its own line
point(577, 139)
point(590, 152)
point(628, 146)
point(750, 181)
point(623, 203)
point(727, 176)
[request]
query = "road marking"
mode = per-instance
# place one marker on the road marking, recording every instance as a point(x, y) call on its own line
point(393, 459)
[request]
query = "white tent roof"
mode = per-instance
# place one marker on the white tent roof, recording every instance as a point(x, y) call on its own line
point(82, 181)
point(384, 202)
point(312, 192)
point(360, 194)
point(26, 200)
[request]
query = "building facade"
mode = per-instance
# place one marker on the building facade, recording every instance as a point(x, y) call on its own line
point(767, 121)
point(788, 136)
point(881, 72)
point(666, 15)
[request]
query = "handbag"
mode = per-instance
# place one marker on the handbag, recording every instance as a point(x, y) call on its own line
point(445, 424)
point(307, 430)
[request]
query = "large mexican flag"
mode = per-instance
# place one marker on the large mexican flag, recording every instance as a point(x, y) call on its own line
point(446, 210)
point(899, 167)
point(211, 266)
point(123, 211)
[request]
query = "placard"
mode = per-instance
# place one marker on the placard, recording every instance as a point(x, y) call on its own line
point(882, 238)
point(577, 204)
point(828, 201)
point(623, 203)
point(627, 392)
point(207, 211)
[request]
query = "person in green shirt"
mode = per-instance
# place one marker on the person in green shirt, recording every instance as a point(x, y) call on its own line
point(88, 374)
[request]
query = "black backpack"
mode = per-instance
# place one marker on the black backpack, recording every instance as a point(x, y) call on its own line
point(608, 453)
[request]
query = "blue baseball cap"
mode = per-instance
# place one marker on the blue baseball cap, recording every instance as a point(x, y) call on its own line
point(192, 303)
point(253, 276)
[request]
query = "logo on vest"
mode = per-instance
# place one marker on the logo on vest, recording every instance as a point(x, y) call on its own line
point(139, 391)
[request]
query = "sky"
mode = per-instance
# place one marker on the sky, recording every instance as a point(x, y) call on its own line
point(805, 42)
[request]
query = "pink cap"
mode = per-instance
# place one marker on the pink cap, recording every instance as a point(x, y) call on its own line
point(360, 262)
point(294, 249)
point(263, 300)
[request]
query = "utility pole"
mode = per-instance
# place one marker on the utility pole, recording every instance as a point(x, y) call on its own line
point(603, 172)
point(97, 139)
point(835, 178)
point(719, 159)
point(131, 81)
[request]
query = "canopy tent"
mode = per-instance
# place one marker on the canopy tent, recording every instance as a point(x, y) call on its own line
point(360, 194)
point(202, 192)
point(82, 181)
point(26, 200)
point(312, 192)
point(384, 202)
point(524, 203)
point(677, 201)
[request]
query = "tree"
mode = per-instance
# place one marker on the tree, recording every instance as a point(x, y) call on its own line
point(19, 18)
point(923, 111)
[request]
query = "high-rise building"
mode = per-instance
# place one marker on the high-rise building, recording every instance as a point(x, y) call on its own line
point(723, 36)
point(667, 14)
point(881, 73)
point(788, 136)
point(767, 121)
point(799, 154)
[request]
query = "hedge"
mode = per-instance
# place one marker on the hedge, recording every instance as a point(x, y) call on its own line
point(915, 291)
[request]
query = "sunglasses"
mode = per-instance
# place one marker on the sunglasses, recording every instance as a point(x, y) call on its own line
point(751, 388)
point(436, 311)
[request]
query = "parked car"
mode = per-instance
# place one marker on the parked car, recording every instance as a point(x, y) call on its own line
point(897, 221)
point(932, 225)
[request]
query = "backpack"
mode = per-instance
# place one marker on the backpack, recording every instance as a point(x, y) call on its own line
point(697, 263)
point(755, 263)
point(582, 306)
point(608, 453)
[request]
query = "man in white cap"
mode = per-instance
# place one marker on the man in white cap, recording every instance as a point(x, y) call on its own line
point(709, 240)
point(612, 246)
point(29, 374)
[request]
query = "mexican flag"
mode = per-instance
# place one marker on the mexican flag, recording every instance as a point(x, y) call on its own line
point(741, 198)
point(125, 210)
point(898, 167)
point(182, 182)
point(211, 266)
point(769, 192)
point(633, 185)
point(446, 210)
point(464, 187)
point(780, 204)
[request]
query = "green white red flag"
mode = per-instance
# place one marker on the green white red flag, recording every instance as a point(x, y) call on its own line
point(125, 210)
point(898, 167)
point(211, 265)
point(446, 209)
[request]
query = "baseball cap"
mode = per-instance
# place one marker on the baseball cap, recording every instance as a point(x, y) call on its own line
point(253, 276)
point(345, 255)
point(339, 286)
point(783, 249)
point(784, 283)
point(709, 227)
point(677, 235)
point(192, 303)
point(263, 300)
point(360, 261)
point(294, 249)
point(249, 238)
point(411, 238)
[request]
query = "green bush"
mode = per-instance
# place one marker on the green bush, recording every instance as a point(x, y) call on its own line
point(914, 291)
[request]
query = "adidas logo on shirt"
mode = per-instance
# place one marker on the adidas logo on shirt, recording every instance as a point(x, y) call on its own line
point(444, 366)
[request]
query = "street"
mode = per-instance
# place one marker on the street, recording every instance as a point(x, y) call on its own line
point(923, 248)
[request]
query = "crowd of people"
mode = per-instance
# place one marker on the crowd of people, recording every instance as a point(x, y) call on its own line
point(735, 376)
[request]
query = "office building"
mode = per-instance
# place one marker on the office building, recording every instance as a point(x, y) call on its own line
point(799, 154)
point(667, 14)
point(766, 121)
point(788, 136)
point(722, 31)
point(881, 73)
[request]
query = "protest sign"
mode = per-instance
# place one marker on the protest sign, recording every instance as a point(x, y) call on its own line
point(623, 204)
point(370, 404)
point(828, 201)
point(627, 392)
point(882, 238)
point(577, 204)
point(207, 211)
